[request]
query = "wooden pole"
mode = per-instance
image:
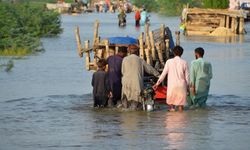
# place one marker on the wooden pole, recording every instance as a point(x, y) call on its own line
point(160, 55)
point(107, 52)
point(116, 49)
point(222, 21)
point(87, 59)
point(96, 37)
point(177, 34)
point(147, 35)
point(167, 50)
point(233, 24)
point(141, 46)
point(152, 43)
point(78, 41)
point(241, 25)
point(147, 56)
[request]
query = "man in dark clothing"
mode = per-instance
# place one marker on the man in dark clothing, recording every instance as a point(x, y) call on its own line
point(114, 73)
point(100, 83)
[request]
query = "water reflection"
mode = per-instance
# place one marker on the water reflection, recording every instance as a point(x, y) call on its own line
point(175, 123)
point(226, 40)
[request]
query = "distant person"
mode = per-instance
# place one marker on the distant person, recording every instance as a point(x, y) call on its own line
point(200, 76)
point(178, 80)
point(122, 18)
point(115, 73)
point(144, 17)
point(100, 83)
point(97, 7)
point(133, 68)
point(137, 18)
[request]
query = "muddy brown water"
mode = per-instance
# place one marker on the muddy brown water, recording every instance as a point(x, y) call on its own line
point(45, 101)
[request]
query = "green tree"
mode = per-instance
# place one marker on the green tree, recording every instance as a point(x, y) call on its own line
point(216, 4)
point(150, 5)
point(22, 25)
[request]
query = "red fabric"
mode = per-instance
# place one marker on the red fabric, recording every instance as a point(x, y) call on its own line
point(137, 15)
point(160, 93)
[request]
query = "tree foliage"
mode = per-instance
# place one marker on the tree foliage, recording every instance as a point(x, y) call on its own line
point(150, 5)
point(174, 7)
point(216, 3)
point(22, 25)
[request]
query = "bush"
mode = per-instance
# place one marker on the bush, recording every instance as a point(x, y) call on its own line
point(150, 5)
point(22, 25)
point(216, 4)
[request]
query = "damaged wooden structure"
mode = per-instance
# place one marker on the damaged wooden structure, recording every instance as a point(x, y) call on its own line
point(205, 21)
point(154, 46)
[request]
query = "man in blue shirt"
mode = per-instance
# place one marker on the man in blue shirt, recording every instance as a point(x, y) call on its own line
point(114, 73)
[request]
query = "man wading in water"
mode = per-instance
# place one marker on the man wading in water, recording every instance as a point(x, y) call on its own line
point(133, 68)
point(200, 76)
point(115, 74)
point(178, 80)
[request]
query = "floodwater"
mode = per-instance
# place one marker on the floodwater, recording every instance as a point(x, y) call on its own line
point(45, 101)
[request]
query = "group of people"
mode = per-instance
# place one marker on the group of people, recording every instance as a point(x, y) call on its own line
point(141, 17)
point(122, 84)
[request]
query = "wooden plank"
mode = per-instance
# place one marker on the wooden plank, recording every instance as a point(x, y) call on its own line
point(200, 28)
point(197, 33)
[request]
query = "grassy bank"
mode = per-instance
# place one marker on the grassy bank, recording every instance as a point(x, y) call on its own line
point(22, 25)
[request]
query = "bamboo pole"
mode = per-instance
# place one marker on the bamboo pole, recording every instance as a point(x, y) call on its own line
point(141, 46)
point(147, 56)
point(78, 41)
point(152, 43)
point(87, 59)
point(160, 55)
point(96, 37)
point(167, 50)
point(177, 34)
point(107, 52)
point(116, 49)
point(241, 25)
point(147, 35)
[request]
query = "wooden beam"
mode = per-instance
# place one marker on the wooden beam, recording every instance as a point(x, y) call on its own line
point(152, 43)
point(96, 36)
point(141, 46)
point(87, 57)
point(241, 26)
point(233, 25)
point(107, 53)
point(78, 41)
